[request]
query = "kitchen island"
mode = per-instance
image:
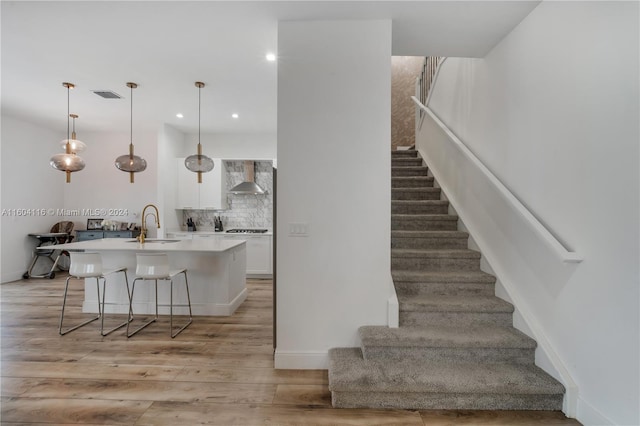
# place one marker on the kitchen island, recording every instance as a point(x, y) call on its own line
point(216, 270)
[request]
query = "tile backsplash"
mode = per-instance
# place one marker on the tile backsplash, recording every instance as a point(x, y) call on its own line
point(245, 211)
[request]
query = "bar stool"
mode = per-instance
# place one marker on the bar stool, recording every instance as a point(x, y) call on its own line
point(89, 265)
point(155, 266)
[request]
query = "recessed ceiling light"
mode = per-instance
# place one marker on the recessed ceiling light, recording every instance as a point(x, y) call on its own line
point(234, 115)
point(179, 115)
point(271, 57)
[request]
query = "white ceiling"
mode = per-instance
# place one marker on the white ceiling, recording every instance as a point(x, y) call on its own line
point(165, 46)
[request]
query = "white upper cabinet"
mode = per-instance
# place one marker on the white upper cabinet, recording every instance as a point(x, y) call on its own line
point(211, 194)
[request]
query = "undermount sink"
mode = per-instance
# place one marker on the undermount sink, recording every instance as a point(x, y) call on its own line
point(155, 241)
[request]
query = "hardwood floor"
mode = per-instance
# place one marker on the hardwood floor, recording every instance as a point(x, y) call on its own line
point(219, 371)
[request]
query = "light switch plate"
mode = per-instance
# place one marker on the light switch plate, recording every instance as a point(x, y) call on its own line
point(299, 229)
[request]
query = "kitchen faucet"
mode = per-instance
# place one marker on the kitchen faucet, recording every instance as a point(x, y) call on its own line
point(143, 231)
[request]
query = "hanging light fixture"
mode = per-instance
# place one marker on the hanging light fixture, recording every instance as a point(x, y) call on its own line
point(76, 145)
point(68, 162)
point(199, 163)
point(129, 162)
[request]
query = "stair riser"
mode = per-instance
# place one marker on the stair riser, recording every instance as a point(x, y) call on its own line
point(449, 355)
point(422, 208)
point(404, 154)
point(408, 171)
point(445, 401)
point(400, 195)
point(422, 224)
point(403, 162)
point(444, 289)
point(467, 319)
point(434, 264)
point(421, 182)
point(429, 243)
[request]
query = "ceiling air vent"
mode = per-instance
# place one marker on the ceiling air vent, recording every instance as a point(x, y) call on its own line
point(107, 94)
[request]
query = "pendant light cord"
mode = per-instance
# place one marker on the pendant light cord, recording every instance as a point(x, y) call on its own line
point(68, 90)
point(131, 115)
point(199, 107)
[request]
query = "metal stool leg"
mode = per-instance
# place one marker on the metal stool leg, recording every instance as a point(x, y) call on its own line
point(129, 315)
point(133, 287)
point(64, 303)
point(186, 283)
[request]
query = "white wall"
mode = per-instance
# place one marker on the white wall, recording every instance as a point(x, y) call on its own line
point(28, 182)
point(333, 175)
point(257, 146)
point(553, 112)
point(102, 186)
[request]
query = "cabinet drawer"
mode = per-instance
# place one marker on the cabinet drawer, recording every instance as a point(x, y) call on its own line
point(117, 234)
point(89, 235)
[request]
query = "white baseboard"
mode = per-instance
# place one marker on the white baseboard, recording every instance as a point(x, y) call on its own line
point(285, 360)
point(393, 306)
point(12, 276)
point(589, 415)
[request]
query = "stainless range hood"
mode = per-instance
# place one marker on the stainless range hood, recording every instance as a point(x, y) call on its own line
point(249, 186)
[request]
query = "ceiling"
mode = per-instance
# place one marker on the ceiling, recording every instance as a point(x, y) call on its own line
point(166, 46)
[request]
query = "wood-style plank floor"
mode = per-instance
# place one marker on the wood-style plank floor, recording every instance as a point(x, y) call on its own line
point(219, 371)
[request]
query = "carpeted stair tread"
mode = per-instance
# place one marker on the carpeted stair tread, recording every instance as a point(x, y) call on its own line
point(442, 217)
point(420, 168)
point(419, 206)
point(412, 178)
point(416, 194)
point(406, 161)
point(436, 253)
point(349, 372)
point(445, 336)
point(419, 202)
point(437, 303)
point(404, 153)
point(443, 276)
point(430, 234)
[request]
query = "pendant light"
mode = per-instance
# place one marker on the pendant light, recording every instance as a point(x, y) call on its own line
point(129, 162)
point(76, 145)
point(68, 162)
point(199, 163)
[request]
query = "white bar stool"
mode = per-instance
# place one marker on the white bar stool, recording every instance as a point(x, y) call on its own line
point(155, 266)
point(89, 265)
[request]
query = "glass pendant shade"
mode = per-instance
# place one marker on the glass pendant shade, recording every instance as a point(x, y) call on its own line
point(69, 162)
point(131, 163)
point(199, 163)
point(76, 145)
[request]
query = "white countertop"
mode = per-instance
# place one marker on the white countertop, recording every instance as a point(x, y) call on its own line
point(212, 245)
point(220, 233)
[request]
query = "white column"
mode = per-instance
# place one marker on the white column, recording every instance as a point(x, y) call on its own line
point(334, 97)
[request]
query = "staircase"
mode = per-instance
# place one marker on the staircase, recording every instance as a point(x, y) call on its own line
point(456, 347)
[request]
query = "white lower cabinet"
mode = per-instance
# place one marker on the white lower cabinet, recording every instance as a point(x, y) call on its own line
point(259, 254)
point(259, 250)
point(179, 235)
point(259, 263)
